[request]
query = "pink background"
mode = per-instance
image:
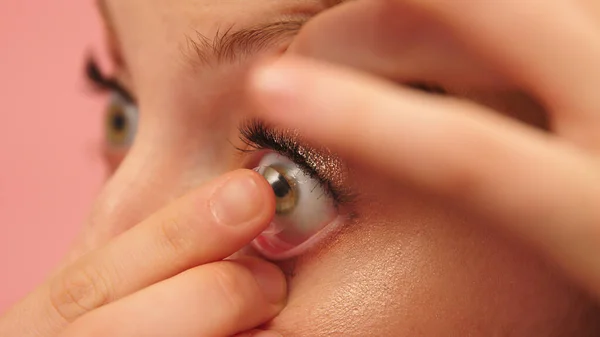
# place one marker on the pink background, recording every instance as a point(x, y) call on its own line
point(50, 168)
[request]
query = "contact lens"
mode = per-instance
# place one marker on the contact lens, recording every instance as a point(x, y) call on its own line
point(283, 187)
point(303, 209)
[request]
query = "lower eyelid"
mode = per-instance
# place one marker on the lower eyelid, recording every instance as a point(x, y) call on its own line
point(270, 252)
point(312, 218)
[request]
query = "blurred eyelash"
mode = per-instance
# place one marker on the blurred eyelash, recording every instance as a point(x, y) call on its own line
point(427, 88)
point(104, 82)
point(259, 136)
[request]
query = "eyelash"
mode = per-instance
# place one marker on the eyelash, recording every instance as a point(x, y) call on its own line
point(104, 82)
point(254, 133)
point(257, 135)
point(429, 88)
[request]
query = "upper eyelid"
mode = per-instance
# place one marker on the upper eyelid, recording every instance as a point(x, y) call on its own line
point(258, 136)
point(311, 172)
point(104, 82)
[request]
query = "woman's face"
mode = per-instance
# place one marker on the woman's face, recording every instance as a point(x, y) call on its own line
point(387, 262)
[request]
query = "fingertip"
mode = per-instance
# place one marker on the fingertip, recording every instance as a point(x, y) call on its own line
point(305, 94)
point(267, 196)
point(270, 280)
point(277, 88)
point(244, 198)
point(274, 78)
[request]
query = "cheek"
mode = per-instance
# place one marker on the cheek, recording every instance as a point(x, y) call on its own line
point(422, 271)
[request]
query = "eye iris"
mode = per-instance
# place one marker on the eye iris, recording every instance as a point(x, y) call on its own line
point(116, 125)
point(285, 194)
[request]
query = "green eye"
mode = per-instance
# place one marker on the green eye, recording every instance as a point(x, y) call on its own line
point(120, 122)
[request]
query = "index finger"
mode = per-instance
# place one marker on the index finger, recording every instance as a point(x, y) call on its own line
point(209, 224)
point(206, 225)
point(526, 182)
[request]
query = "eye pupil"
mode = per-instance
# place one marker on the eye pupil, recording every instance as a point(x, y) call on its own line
point(281, 187)
point(285, 194)
point(118, 122)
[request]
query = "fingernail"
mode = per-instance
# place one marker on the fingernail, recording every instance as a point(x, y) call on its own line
point(271, 281)
point(237, 202)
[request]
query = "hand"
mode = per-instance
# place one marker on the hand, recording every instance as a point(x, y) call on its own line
point(543, 187)
point(166, 276)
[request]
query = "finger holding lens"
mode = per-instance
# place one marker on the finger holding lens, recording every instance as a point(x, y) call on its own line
point(206, 225)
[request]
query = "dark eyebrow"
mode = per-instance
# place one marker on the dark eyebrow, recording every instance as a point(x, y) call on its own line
point(230, 44)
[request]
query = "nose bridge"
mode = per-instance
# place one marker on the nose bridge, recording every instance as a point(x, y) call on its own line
point(172, 154)
point(141, 185)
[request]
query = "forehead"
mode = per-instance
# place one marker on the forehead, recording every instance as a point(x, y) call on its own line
point(165, 23)
point(153, 36)
point(206, 15)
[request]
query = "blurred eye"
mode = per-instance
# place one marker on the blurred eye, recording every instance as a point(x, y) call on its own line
point(121, 121)
point(304, 211)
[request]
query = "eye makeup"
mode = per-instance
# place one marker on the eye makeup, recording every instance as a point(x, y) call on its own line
point(309, 186)
point(318, 163)
point(120, 116)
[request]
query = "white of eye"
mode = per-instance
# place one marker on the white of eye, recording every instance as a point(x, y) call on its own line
point(314, 209)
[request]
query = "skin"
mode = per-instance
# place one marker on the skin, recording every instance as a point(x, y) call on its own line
point(428, 252)
point(539, 187)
